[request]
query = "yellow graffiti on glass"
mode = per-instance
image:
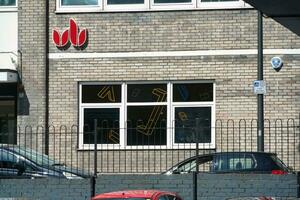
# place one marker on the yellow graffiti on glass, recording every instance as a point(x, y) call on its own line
point(183, 116)
point(154, 116)
point(113, 136)
point(107, 91)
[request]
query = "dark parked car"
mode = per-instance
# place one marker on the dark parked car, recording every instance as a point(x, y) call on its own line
point(138, 195)
point(233, 162)
point(19, 162)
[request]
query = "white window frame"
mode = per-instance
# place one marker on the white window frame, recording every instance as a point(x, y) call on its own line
point(170, 134)
point(9, 8)
point(221, 5)
point(126, 7)
point(166, 103)
point(173, 6)
point(78, 8)
point(210, 104)
point(83, 106)
point(149, 5)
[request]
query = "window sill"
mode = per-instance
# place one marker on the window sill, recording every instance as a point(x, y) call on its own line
point(78, 10)
point(8, 9)
point(90, 147)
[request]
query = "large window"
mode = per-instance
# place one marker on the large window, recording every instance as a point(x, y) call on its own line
point(79, 5)
point(8, 3)
point(133, 115)
point(143, 5)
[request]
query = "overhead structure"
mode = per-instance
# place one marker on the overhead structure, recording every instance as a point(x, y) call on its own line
point(8, 68)
point(285, 12)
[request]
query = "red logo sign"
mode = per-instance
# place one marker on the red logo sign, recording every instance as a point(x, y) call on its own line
point(73, 35)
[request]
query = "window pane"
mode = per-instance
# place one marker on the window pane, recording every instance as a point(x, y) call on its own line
point(8, 133)
point(185, 122)
point(101, 93)
point(147, 93)
point(172, 1)
point(125, 1)
point(5, 156)
point(78, 2)
point(193, 92)
point(7, 2)
point(146, 125)
point(107, 128)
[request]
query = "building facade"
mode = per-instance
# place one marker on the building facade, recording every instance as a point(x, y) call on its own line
point(146, 69)
point(8, 70)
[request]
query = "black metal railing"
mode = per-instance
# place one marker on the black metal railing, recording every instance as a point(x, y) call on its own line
point(107, 148)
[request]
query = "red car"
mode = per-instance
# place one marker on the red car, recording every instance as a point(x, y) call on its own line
point(138, 195)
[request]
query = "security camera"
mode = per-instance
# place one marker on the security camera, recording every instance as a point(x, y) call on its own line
point(277, 63)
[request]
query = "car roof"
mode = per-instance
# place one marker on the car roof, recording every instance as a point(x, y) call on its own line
point(131, 194)
point(223, 153)
point(233, 152)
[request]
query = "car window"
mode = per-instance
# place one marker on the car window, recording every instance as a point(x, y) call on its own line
point(279, 163)
point(265, 163)
point(163, 198)
point(234, 162)
point(8, 160)
point(187, 167)
point(205, 164)
point(34, 156)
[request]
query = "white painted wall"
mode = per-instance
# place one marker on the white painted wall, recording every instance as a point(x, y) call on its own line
point(9, 32)
point(8, 40)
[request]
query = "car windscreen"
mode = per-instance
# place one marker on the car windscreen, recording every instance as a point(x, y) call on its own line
point(124, 199)
point(190, 165)
point(34, 156)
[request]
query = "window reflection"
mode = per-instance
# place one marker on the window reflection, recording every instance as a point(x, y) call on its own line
point(107, 125)
point(79, 2)
point(7, 2)
point(185, 120)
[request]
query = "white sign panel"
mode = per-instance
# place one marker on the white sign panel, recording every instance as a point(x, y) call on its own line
point(259, 87)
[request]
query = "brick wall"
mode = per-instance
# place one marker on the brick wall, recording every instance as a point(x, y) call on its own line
point(171, 31)
point(31, 39)
point(158, 31)
point(45, 189)
point(212, 187)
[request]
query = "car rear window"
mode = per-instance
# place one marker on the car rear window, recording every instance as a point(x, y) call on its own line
point(279, 163)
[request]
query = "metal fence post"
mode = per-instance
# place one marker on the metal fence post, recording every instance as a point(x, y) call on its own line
point(195, 191)
point(93, 178)
point(195, 174)
point(298, 181)
point(260, 76)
